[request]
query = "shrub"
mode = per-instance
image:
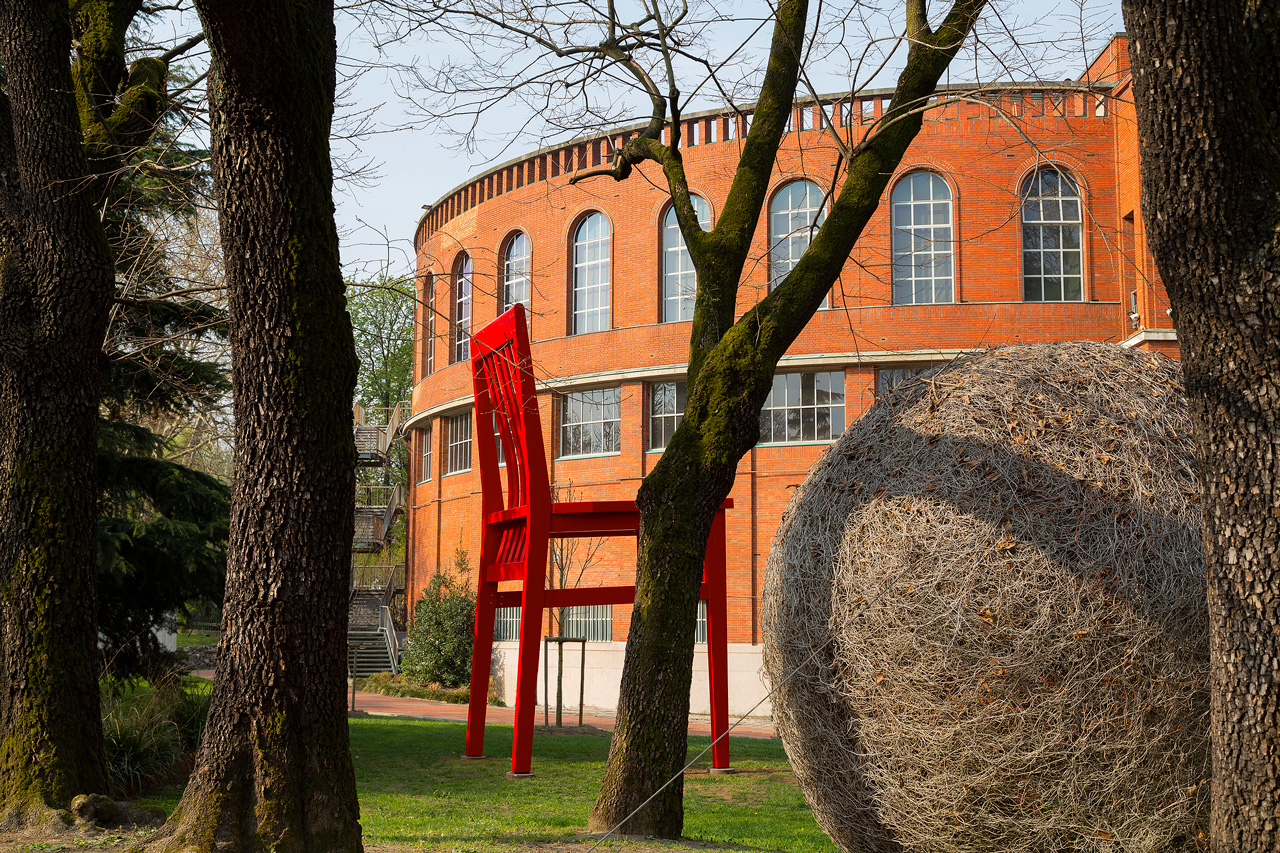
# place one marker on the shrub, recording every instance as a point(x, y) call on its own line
point(148, 729)
point(441, 632)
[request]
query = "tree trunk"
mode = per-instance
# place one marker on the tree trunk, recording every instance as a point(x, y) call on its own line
point(731, 367)
point(274, 769)
point(1206, 77)
point(55, 288)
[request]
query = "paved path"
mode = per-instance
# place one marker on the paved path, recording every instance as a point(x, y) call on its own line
point(375, 703)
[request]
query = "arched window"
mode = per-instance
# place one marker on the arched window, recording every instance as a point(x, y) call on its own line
point(591, 275)
point(1052, 260)
point(679, 281)
point(462, 308)
point(515, 271)
point(429, 327)
point(922, 262)
point(794, 214)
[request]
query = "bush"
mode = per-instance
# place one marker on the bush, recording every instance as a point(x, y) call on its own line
point(441, 632)
point(148, 730)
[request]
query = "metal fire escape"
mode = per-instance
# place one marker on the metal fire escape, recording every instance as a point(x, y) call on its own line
point(372, 642)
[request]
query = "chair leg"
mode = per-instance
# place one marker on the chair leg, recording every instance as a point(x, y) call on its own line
point(717, 644)
point(527, 675)
point(481, 655)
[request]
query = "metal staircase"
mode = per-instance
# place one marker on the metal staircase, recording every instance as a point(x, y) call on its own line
point(372, 642)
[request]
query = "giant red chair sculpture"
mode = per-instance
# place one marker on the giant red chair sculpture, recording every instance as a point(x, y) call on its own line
point(518, 527)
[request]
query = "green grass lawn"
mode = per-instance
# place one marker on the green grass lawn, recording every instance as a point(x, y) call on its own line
point(417, 794)
point(189, 640)
point(415, 791)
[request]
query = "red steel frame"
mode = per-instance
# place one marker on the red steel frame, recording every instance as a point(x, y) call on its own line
point(518, 527)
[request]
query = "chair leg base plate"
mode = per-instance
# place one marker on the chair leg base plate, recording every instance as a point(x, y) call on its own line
point(511, 774)
point(473, 757)
point(723, 771)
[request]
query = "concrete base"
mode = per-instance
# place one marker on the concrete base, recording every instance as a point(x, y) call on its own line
point(723, 771)
point(604, 675)
point(473, 757)
point(511, 775)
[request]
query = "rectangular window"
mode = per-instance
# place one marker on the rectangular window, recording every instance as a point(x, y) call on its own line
point(458, 457)
point(806, 118)
point(700, 627)
point(506, 623)
point(791, 120)
point(1100, 106)
point(868, 112)
point(594, 622)
point(497, 440)
point(591, 422)
point(694, 127)
point(731, 128)
point(424, 471)
point(888, 378)
point(803, 407)
point(666, 408)
point(713, 131)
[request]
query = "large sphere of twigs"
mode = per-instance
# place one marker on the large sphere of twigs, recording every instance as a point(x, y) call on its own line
point(984, 612)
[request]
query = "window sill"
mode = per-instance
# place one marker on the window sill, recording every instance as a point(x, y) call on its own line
point(590, 455)
point(456, 473)
point(824, 442)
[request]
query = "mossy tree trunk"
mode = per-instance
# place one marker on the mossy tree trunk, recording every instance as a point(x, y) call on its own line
point(731, 367)
point(56, 284)
point(274, 770)
point(1206, 83)
point(55, 289)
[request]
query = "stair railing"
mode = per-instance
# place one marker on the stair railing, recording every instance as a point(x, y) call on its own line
point(389, 631)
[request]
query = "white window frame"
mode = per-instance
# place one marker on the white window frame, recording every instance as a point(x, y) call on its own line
point(592, 621)
point(515, 270)
point(506, 624)
point(458, 452)
point(792, 223)
point(679, 278)
point(1050, 215)
point(424, 456)
point(591, 257)
point(429, 327)
point(888, 378)
point(662, 424)
point(591, 423)
point(463, 271)
point(922, 235)
point(785, 408)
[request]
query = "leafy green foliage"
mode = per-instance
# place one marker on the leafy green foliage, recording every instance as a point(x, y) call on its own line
point(442, 630)
point(162, 526)
point(148, 729)
point(382, 320)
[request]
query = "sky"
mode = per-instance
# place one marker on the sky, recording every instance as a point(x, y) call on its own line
point(403, 162)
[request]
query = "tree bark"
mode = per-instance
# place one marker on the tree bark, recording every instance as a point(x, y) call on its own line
point(731, 367)
point(274, 770)
point(55, 288)
point(1206, 82)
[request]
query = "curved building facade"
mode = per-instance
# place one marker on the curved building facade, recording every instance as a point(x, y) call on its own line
point(1013, 218)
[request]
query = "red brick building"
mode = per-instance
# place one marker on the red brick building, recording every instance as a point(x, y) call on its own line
point(1014, 217)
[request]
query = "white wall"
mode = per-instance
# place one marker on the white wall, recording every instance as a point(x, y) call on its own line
point(604, 675)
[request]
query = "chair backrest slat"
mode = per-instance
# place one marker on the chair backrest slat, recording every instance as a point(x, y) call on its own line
point(506, 399)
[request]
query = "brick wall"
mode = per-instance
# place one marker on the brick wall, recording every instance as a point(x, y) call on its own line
point(983, 151)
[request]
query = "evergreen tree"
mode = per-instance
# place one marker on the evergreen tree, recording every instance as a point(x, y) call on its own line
point(162, 526)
